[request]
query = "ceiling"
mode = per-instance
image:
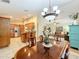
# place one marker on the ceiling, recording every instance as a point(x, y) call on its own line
point(20, 8)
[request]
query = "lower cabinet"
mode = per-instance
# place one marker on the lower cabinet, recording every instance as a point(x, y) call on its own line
point(26, 36)
point(74, 36)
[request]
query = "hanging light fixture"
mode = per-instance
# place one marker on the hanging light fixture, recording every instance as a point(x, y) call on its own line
point(49, 13)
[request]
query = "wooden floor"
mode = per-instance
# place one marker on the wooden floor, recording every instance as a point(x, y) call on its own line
point(16, 44)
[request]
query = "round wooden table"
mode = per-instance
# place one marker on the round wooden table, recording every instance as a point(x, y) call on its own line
point(37, 52)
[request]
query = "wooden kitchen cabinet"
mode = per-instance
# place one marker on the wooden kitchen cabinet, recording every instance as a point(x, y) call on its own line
point(4, 32)
point(27, 35)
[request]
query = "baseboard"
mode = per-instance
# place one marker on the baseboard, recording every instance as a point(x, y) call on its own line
point(74, 48)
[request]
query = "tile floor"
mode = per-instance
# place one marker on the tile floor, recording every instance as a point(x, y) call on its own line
point(16, 44)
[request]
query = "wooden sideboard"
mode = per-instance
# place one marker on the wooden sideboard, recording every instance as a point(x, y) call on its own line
point(20, 29)
point(74, 36)
point(4, 32)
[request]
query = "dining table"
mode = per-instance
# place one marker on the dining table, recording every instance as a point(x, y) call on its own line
point(56, 51)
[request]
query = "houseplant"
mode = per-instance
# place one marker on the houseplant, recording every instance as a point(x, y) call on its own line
point(74, 17)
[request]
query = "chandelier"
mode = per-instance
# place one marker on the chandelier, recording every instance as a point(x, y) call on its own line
point(50, 13)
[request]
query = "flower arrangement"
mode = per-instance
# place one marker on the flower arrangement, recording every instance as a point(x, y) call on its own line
point(46, 33)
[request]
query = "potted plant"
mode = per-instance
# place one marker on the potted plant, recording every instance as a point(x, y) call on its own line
point(74, 17)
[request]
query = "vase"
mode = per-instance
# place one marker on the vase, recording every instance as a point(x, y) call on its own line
point(46, 40)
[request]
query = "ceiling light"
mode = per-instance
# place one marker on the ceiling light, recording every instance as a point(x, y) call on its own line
point(49, 13)
point(43, 13)
point(45, 9)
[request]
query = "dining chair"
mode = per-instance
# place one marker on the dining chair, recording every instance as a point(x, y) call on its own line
point(32, 39)
point(41, 38)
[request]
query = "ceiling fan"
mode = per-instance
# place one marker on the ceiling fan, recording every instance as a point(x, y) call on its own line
point(6, 1)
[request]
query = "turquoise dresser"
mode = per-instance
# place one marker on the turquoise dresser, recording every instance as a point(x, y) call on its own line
point(74, 36)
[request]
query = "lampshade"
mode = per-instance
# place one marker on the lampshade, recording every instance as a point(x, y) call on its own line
point(45, 9)
point(55, 8)
point(42, 13)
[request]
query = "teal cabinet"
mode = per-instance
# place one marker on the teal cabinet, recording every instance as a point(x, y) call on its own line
point(74, 36)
